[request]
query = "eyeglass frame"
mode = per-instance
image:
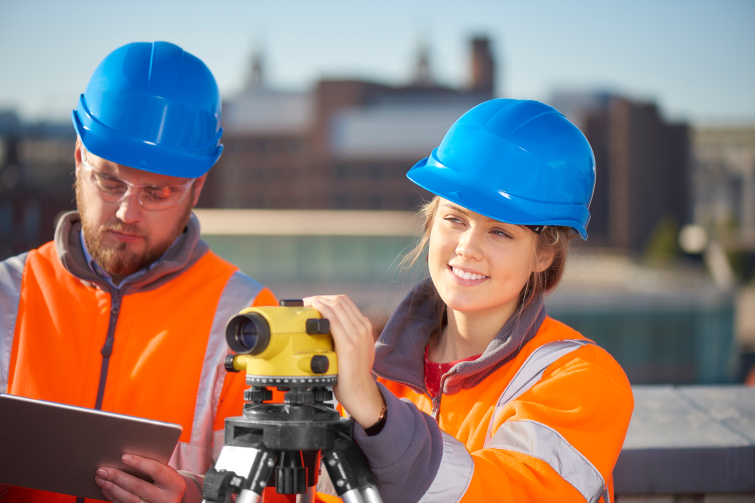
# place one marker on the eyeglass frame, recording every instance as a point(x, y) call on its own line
point(132, 188)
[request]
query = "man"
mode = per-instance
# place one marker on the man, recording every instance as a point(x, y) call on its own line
point(125, 310)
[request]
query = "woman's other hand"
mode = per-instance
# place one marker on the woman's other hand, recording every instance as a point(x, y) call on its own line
point(352, 335)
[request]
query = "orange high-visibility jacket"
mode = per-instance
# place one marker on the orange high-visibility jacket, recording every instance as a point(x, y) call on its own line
point(153, 348)
point(540, 416)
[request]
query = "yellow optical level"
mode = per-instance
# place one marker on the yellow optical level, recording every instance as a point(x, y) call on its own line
point(285, 346)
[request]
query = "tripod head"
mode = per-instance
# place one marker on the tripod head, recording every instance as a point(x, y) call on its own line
point(288, 347)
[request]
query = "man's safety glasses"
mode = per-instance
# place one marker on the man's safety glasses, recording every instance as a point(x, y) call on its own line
point(151, 197)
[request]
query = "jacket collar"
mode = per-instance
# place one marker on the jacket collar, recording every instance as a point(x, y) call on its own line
point(400, 350)
point(187, 249)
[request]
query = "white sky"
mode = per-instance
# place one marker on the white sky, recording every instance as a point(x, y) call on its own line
point(695, 58)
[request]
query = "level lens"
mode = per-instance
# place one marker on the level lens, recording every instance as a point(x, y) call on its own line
point(247, 334)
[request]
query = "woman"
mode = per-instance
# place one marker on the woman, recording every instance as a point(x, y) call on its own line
point(479, 395)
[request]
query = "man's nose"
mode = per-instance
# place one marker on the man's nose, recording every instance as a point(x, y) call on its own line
point(129, 208)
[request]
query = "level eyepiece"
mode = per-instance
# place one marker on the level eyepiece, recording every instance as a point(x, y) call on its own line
point(247, 334)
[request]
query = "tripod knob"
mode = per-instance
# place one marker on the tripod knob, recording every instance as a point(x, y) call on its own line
point(291, 475)
point(257, 394)
point(322, 394)
point(218, 484)
point(298, 396)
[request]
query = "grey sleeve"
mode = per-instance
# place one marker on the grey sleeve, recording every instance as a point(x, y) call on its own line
point(406, 454)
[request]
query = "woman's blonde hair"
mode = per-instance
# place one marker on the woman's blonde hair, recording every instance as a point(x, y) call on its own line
point(553, 240)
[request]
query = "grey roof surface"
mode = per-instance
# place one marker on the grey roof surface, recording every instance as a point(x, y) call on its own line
point(261, 111)
point(395, 130)
point(600, 281)
point(689, 439)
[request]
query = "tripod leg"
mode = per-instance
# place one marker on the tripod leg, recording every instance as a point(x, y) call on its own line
point(311, 461)
point(350, 473)
point(254, 485)
point(308, 497)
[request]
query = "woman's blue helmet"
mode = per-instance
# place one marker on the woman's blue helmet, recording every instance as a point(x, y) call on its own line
point(152, 106)
point(515, 161)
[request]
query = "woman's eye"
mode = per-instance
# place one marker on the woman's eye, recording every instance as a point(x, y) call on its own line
point(502, 234)
point(452, 220)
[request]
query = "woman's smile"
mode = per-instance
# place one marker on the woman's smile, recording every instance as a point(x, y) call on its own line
point(465, 276)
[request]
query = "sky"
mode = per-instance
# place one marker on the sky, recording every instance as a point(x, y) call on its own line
point(695, 59)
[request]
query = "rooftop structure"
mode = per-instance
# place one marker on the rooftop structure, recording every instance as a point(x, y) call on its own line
point(345, 144)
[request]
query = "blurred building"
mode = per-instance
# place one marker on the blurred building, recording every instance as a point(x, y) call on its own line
point(36, 181)
point(643, 167)
point(724, 183)
point(663, 324)
point(346, 144)
point(724, 206)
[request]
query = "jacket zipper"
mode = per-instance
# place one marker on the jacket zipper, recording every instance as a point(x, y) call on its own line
point(107, 349)
point(436, 400)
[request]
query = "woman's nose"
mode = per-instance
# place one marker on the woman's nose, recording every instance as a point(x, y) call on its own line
point(470, 245)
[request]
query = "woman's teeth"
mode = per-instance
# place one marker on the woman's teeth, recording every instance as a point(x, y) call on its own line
point(466, 275)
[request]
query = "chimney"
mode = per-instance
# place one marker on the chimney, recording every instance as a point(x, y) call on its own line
point(422, 76)
point(256, 77)
point(482, 67)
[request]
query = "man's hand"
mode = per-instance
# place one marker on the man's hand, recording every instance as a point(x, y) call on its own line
point(169, 486)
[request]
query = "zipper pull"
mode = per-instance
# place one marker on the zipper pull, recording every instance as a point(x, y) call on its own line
point(436, 406)
point(107, 349)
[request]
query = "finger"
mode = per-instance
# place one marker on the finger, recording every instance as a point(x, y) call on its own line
point(163, 476)
point(347, 309)
point(116, 493)
point(125, 487)
point(339, 323)
point(357, 316)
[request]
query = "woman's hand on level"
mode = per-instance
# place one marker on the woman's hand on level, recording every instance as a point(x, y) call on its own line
point(352, 335)
point(168, 485)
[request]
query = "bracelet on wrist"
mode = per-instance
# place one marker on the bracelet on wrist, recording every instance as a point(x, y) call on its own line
point(378, 426)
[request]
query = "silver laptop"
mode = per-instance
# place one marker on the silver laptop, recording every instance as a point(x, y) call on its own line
point(56, 447)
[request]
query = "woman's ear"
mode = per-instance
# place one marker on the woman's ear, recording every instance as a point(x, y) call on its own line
point(544, 259)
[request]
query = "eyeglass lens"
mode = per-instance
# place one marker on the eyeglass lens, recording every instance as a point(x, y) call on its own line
point(113, 189)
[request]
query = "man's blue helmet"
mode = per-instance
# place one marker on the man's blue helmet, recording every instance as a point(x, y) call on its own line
point(520, 162)
point(154, 107)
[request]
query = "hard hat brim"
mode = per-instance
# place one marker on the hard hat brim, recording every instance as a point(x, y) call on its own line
point(432, 175)
point(116, 147)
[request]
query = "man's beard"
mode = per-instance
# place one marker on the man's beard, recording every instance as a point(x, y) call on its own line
point(120, 260)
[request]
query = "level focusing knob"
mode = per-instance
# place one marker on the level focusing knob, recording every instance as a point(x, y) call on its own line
point(319, 364)
point(317, 326)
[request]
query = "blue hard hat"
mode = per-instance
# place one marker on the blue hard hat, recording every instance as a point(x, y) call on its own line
point(154, 107)
point(515, 161)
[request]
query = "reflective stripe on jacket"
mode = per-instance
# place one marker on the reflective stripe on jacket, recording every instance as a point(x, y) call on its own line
point(154, 349)
point(545, 422)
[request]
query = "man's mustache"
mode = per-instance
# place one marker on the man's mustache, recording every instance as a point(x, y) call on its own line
point(123, 228)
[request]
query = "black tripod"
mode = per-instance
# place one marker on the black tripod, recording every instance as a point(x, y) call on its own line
point(282, 444)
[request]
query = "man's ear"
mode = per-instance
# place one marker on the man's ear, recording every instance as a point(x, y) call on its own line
point(198, 186)
point(77, 155)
